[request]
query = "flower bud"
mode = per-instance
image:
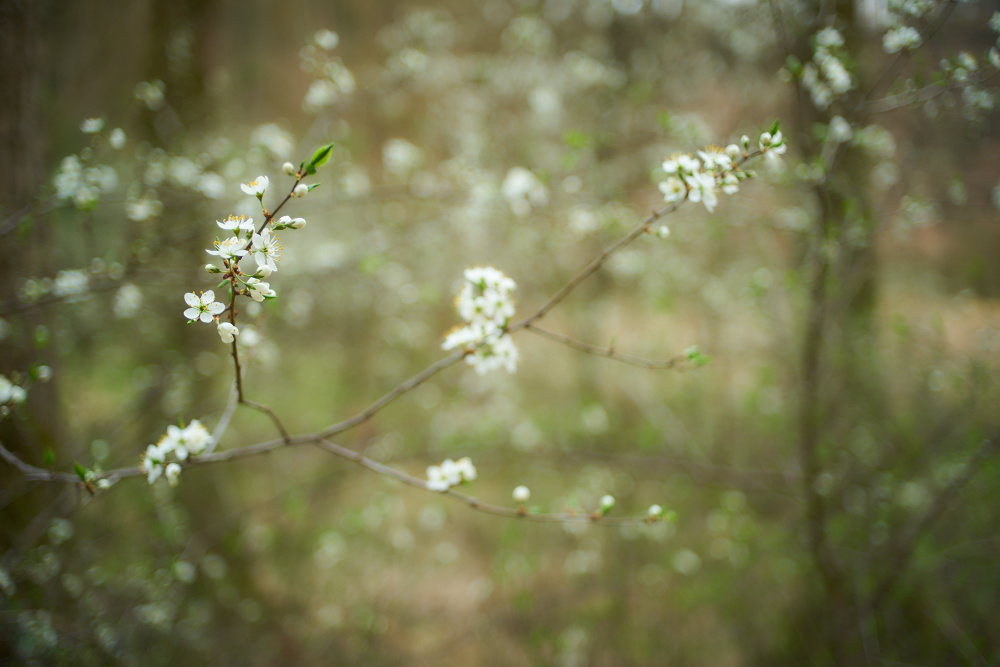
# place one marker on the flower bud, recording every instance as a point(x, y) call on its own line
point(288, 168)
point(298, 223)
point(263, 272)
point(663, 232)
point(745, 142)
point(733, 151)
point(655, 511)
point(607, 502)
point(301, 190)
point(212, 268)
point(521, 494)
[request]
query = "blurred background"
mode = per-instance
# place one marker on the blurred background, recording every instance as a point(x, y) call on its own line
point(833, 469)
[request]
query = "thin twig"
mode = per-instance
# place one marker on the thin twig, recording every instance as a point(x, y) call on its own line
point(32, 473)
point(608, 351)
point(475, 503)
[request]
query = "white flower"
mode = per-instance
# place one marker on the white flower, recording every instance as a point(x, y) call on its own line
point(266, 249)
point(655, 511)
point(902, 38)
point(239, 225)
point(775, 144)
point(172, 473)
point(729, 184)
point(203, 307)
point(92, 125)
point(152, 463)
point(230, 249)
point(173, 441)
point(301, 190)
point(196, 437)
point(436, 480)
point(117, 138)
point(256, 187)
point(259, 290)
point(228, 332)
point(680, 165)
point(716, 158)
point(465, 469)
point(288, 168)
point(702, 189)
point(673, 190)
point(521, 494)
point(450, 473)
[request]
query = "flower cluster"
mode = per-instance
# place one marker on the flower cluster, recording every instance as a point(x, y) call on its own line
point(486, 303)
point(450, 473)
point(826, 77)
point(717, 170)
point(902, 38)
point(246, 241)
point(179, 443)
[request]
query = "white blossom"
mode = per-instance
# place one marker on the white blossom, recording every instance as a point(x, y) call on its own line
point(902, 38)
point(673, 189)
point(255, 187)
point(702, 189)
point(172, 473)
point(241, 226)
point(228, 332)
point(230, 249)
point(450, 473)
point(266, 249)
point(259, 290)
point(203, 306)
point(152, 463)
point(521, 494)
point(486, 304)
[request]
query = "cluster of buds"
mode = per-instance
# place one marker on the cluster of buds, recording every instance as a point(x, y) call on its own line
point(178, 443)
point(450, 473)
point(486, 303)
point(715, 170)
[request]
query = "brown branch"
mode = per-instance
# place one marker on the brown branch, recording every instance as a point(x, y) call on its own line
point(608, 351)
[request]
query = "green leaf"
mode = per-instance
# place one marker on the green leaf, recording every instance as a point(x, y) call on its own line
point(312, 186)
point(319, 158)
point(774, 126)
point(80, 471)
point(48, 456)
